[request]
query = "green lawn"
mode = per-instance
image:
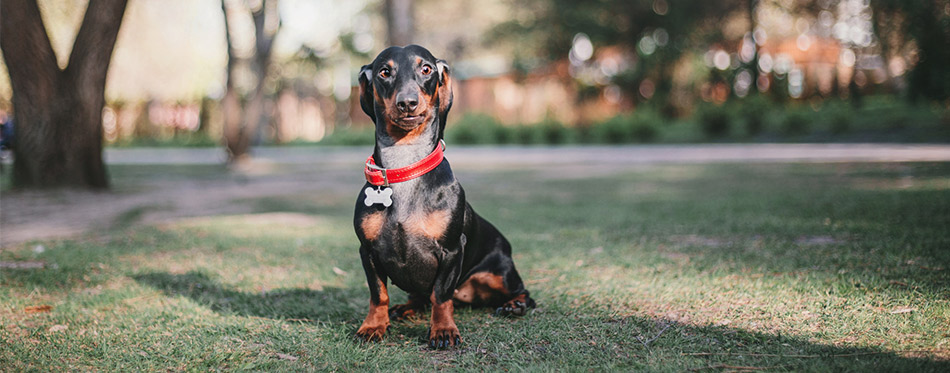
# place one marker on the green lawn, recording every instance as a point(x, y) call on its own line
point(820, 267)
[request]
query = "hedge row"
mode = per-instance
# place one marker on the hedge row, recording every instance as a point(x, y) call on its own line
point(754, 119)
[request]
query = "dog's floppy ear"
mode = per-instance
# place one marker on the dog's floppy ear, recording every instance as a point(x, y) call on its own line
point(445, 90)
point(366, 91)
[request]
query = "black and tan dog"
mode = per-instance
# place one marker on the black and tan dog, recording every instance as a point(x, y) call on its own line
point(414, 225)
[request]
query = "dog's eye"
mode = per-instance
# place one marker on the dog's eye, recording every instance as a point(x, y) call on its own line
point(426, 70)
point(385, 73)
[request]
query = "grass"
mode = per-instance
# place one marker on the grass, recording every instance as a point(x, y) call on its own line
point(821, 267)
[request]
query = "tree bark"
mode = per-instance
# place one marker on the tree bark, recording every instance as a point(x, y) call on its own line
point(399, 22)
point(242, 120)
point(754, 62)
point(58, 113)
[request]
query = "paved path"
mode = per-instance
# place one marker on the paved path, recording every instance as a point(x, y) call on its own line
point(528, 156)
point(335, 173)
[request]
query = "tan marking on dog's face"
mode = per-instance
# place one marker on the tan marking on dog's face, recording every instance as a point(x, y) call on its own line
point(432, 224)
point(391, 117)
point(444, 92)
point(404, 132)
point(403, 137)
point(372, 225)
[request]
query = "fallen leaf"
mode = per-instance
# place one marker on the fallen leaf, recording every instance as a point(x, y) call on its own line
point(38, 309)
point(57, 328)
point(904, 310)
point(286, 357)
point(339, 271)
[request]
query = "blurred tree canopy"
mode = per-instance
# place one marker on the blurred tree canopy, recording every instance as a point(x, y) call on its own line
point(673, 28)
point(926, 25)
point(613, 22)
point(661, 32)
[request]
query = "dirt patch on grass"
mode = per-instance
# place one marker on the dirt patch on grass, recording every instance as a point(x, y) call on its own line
point(286, 219)
point(168, 197)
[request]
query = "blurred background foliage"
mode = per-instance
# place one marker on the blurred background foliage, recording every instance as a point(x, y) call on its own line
point(536, 71)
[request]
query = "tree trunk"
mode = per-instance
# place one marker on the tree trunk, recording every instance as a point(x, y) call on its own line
point(399, 22)
point(242, 119)
point(753, 64)
point(58, 113)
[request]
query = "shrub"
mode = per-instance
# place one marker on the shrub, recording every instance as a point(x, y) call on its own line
point(461, 134)
point(552, 132)
point(347, 136)
point(524, 134)
point(475, 128)
point(896, 119)
point(796, 122)
point(641, 126)
point(753, 111)
point(611, 131)
point(713, 119)
point(501, 134)
point(838, 116)
point(644, 126)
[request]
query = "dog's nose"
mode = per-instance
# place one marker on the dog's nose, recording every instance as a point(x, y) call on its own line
point(407, 103)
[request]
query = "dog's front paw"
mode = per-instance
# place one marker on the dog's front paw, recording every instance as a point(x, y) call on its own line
point(372, 333)
point(444, 336)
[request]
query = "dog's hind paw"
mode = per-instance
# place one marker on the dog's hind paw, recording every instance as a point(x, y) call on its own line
point(518, 306)
point(414, 307)
point(402, 312)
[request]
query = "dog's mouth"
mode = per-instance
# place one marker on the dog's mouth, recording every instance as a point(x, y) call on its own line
point(409, 122)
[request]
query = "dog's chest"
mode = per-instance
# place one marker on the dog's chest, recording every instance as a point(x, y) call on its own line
point(416, 223)
point(411, 229)
point(409, 249)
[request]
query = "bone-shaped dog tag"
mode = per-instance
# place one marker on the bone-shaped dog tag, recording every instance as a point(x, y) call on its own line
point(374, 196)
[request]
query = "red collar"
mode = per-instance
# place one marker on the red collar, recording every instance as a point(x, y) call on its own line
point(382, 177)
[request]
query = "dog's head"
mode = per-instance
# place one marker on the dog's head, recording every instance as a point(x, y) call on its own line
point(405, 89)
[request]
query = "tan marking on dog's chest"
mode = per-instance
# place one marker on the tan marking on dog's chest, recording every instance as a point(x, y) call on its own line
point(372, 224)
point(429, 224)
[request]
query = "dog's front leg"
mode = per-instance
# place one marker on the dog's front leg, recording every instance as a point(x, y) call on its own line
point(377, 320)
point(442, 329)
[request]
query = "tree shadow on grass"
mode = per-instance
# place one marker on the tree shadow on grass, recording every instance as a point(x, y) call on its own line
point(327, 305)
point(559, 336)
point(720, 348)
